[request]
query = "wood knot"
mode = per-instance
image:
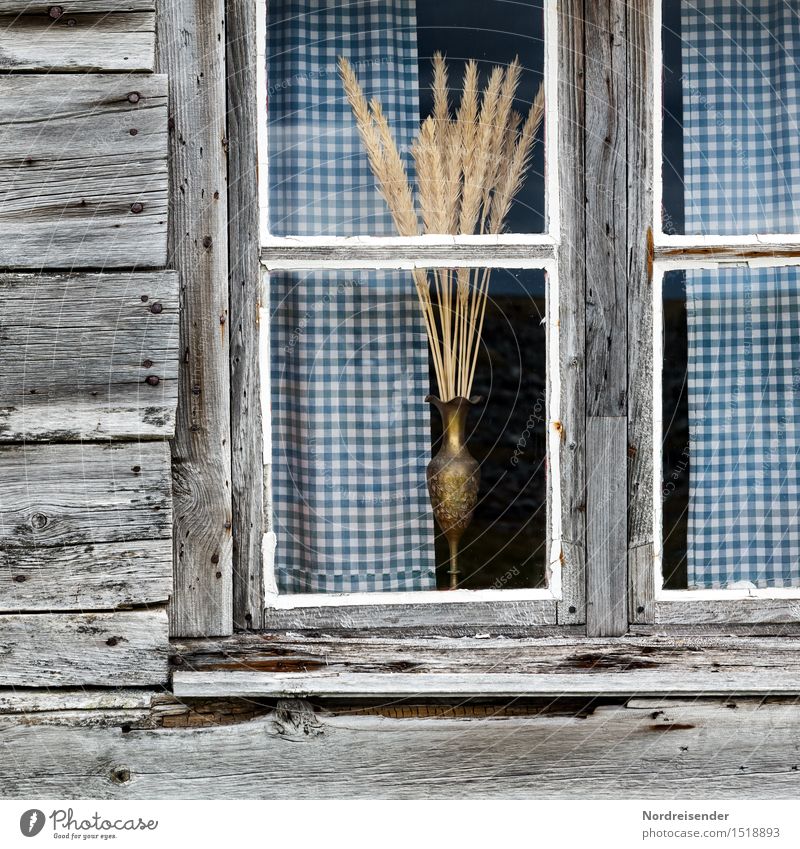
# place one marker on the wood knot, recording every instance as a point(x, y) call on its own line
point(121, 775)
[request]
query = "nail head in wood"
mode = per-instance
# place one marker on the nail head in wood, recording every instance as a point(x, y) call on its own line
point(152, 380)
point(137, 207)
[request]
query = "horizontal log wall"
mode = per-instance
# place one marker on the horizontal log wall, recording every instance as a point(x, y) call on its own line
point(231, 749)
point(89, 376)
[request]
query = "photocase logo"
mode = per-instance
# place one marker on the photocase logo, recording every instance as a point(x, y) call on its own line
point(31, 822)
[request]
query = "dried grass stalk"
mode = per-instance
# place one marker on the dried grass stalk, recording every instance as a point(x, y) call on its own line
point(469, 167)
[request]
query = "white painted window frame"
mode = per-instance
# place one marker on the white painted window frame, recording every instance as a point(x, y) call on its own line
point(682, 252)
point(529, 251)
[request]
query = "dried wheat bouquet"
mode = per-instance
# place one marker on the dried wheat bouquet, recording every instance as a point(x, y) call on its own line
point(470, 162)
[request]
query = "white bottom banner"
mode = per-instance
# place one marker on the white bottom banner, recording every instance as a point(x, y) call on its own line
point(356, 824)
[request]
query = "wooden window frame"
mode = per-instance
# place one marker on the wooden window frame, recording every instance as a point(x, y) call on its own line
point(536, 608)
point(651, 604)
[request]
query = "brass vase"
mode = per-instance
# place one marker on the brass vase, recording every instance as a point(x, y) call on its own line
point(453, 476)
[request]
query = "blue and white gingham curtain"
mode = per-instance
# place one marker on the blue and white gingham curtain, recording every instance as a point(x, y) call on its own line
point(349, 360)
point(741, 95)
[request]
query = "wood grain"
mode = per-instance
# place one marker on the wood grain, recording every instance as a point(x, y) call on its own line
point(726, 612)
point(606, 227)
point(85, 526)
point(654, 749)
point(571, 312)
point(191, 50)
point(95, 576)
point(466, 685)
point(84, 649)
point(247, 438)
point(466, 617)
point(88, 356)
point(77, 186)
point(640, 224)
point(77, 42)
point(36, 7)
point(606, 527)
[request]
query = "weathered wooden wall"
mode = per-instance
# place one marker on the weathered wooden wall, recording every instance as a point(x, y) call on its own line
point(89, 375)
point(78, 745)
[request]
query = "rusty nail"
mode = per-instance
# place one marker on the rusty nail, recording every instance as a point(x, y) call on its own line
point(215, 558)
point(133, 131)
point(55, 12)
point(137, 207)
point(640, 609)
point(71, 22)
point(222, 319)
point(136, 469)
point(38, 521)
point(151, 380)
point(147, 363)
point(156, 307)
point(145, 298)
point(228, 526)
point(219, 575)
point(134, 97)
point(20, 579)
point(207, 241)
point(572, 609)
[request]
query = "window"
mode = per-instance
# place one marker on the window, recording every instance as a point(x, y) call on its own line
point(725, 301)
point(345, 363)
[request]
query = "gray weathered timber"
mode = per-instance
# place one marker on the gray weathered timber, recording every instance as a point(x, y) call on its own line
point(471, 617)
point(247, 439)
point(191, 50)
point(357, 253)
point(466, 685)
point(52, 701)
point(641, 584)
point(84, 649)
point(88, 356)
point(81, 495)
point(646, 749)
point(95, 576)
point(77, 42)
point(606, 234)
point(696, 664)
point(641, 170)
point(37, 7)
point(571, 313)
point(606, 527)
point(83, 170)
point(725, 612)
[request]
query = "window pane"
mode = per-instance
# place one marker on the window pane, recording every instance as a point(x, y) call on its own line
point(352, 434)
point(731, 418)
point(730, 133)
point(320, 179)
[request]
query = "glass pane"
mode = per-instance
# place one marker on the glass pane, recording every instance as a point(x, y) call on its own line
point(352, 435)
point(321, 180)
point(730, 133)
point(731, 418)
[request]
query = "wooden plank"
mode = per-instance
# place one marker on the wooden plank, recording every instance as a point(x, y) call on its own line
point(726, 612)
point(68, 495)
point(641, 171)
point(85, 526)
point(77, 186)
point(397, 253)
point(94, 576)
point(467, 617)
point(606, 527)
point(641, 584)
point(37, 7)
point(655, 750)
point(84, 649)
point(191, 50)
point(50, 701)
point(464, 685)
point(606, 237)
point(247, 439)
point(667, 660)
point(78, 42)
point(88, 356)
point(571, 312)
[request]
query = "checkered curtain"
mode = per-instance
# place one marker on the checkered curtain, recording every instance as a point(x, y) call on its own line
point(742, 175)
point(349, 361)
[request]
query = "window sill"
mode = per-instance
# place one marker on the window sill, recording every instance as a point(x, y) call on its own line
point(292, 666)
